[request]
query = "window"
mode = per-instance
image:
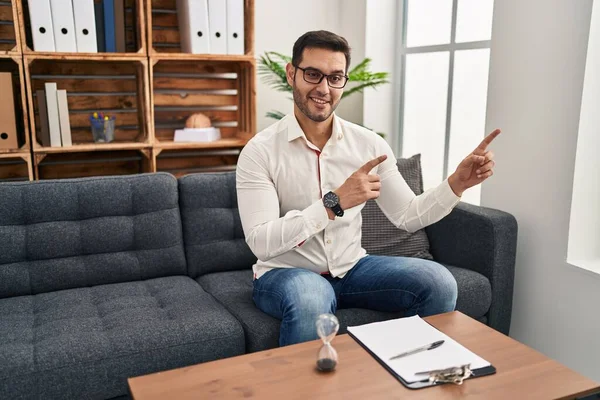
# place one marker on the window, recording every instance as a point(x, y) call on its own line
point(445, 55)
point(584, 226)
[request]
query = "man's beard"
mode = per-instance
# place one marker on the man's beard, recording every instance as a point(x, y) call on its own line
point(302, 104)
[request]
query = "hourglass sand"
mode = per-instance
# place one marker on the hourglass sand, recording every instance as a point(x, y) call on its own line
point(327, 328)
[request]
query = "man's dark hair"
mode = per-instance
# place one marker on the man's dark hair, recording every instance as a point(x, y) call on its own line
point(321, 40)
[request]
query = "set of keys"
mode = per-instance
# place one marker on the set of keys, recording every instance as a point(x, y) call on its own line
point(454, 375)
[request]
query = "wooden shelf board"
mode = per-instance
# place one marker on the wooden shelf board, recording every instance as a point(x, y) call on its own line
point(77, 148)
point(203, 57)
point(85, 56)
point(15, 151)
point(221, 143)
point(13, 154)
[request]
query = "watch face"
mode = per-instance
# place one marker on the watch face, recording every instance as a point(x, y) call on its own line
point(330, 200)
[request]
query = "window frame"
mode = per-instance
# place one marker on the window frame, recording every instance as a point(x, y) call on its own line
point(452, 48)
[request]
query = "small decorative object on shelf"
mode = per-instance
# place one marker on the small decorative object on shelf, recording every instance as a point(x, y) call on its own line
point(103, 127)
point(198, 120)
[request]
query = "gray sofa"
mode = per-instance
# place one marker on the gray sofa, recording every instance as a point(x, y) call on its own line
point(113, 277)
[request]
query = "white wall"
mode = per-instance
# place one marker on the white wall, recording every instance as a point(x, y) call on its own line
point(537, 68)
point(277, 26)
point(381, 108)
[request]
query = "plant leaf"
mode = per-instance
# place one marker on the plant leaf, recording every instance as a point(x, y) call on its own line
point(275, 114)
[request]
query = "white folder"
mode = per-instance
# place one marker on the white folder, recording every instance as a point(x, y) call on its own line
point(64, 25)
point(217, 17)
point(85, 26)
point(193, 26)
point(235, 27)
point(63, 117)
point(53, 118)
point(42, 32)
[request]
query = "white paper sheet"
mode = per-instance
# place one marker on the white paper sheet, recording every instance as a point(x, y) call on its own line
point(389, 338)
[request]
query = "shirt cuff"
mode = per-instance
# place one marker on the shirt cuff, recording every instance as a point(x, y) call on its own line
point(316, 217)
point(445, 196)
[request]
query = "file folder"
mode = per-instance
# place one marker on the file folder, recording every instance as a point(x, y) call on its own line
point(217, 18)
point(53, 118)
point(110, 42)
point(384, 340)
point(99, 17)
point(120, 40)
point(85, 26)
point(63, 117)
point(42, 32)
point(64, 25)
point(194, 29)
point(235, 27)
point(8, 120)
point(44, 133)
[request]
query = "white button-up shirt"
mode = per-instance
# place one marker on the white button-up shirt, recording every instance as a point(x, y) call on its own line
point(282, 178)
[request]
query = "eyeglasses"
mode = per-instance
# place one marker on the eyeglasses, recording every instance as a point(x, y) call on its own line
point(311, 75)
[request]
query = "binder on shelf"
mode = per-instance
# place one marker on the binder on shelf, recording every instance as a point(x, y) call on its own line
point(63, 118)
point(53, 118)
point(44, 135)
point(8, 120)
point(235, 27)
point(64, 25)
point(400, 346)
point(85, 26)
point(217, 19)
point(99, 18)
point(42, 31)
point(110, 43)
point(194, 29)
point(120, 40)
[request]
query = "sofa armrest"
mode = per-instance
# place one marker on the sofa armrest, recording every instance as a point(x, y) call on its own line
point(483, 240)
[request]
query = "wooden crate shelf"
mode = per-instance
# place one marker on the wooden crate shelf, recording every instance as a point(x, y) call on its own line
point(14, 65)
point(135, 31)
point(98, 163)
point(185, 161)
point(163, 27)
point(151, 88)
point(223, 91)
point(117, 86)
point(10, 39)
point(16, 167)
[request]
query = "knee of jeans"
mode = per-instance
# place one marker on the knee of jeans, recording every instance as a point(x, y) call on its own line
point(442, 286)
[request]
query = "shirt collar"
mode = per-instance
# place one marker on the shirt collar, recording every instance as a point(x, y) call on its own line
point(294, 131)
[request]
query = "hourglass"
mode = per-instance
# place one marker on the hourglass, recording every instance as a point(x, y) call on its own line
point(327, 328)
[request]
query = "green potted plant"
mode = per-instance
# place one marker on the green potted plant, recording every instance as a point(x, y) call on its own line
point(271, 68)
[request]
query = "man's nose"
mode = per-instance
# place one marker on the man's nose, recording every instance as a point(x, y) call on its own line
point(323, 87)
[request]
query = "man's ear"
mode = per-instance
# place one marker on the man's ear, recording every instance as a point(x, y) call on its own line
point(290, 72)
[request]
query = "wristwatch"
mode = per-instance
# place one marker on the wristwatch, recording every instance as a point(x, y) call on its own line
point(331, 200)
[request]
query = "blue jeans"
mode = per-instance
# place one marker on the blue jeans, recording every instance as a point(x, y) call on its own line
point(297, 296)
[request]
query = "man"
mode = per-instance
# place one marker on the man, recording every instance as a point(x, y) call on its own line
point(301, 185)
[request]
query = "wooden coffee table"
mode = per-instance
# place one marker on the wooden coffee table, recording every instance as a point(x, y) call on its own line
point(289, 373)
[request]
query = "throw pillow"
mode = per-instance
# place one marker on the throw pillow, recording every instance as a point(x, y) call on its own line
point(380, 236)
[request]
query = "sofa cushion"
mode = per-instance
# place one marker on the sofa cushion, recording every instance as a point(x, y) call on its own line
point(234, 290)
point(212, 230)
point(63, 234)
point(85, 342)
point(380, 236)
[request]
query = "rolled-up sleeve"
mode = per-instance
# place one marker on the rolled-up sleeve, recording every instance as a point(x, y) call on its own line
point(401, 206)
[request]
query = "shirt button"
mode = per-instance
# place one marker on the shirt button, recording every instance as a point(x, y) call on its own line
point(328, 241)
point(319, 225)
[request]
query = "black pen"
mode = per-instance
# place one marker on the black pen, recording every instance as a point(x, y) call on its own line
point(430, 346)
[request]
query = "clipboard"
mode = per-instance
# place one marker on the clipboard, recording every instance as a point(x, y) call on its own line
point(456, 374)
